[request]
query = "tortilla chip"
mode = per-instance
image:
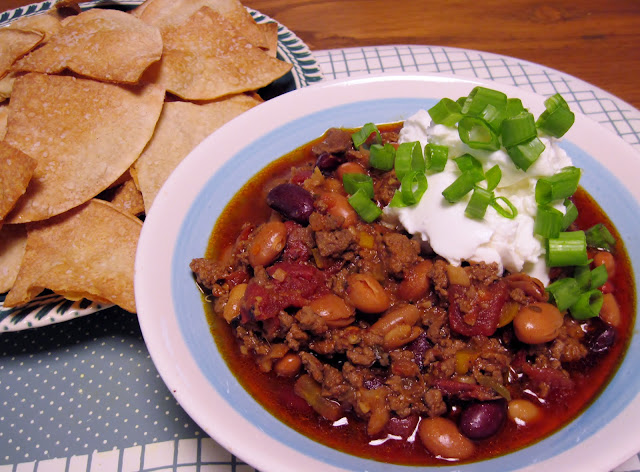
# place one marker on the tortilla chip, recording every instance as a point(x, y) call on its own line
point(88, 252)
point(205, 58)
point(162, 13)
point(107, 45)
point(84, 135)
point(6, 86)
point(13, 241)
point(15, 43)
point(4, 114)
point(128, 198)
point(182, 125)
point(47, 24)
point(270, 31)
point(16, 169)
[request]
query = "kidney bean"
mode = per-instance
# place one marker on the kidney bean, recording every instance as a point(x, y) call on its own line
point(327, 162)
point(441, 438)
point(482, 420)
point(291, 201)
point(603, 340)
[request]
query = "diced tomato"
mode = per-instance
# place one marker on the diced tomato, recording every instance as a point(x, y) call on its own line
point(484, 317)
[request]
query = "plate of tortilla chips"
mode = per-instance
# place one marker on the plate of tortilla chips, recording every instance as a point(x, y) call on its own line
point(99, 102)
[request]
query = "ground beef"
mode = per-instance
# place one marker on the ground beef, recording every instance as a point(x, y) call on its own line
point(335, 141)
point(207, 272)
point(333, 243)
point(401, 252)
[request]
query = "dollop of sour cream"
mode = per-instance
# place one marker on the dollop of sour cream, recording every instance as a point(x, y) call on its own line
point(510, 243)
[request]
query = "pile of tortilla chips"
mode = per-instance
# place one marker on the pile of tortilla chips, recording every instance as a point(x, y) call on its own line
point(96, 110)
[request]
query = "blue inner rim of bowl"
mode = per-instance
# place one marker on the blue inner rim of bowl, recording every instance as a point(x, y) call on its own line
point(197, 226)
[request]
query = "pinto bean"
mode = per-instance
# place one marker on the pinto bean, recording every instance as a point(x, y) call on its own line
point(349, 168)
point(606, 258)
point(610, 311)
point(441, 438)
point(538, 323)
point(458, 276)
point(399, 336)
point(288, 366)
point(267, 243)
point(334, 310)
point(339, 207)
point(416, 282)
point(366, 293)
point(232, 308)
point(403, 315)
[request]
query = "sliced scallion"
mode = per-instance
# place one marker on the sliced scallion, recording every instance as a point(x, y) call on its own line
point(568, 249)
point(493, 116)
point(587, 306)
point(508, 210)
point(493, 177)
point(514, 107)
point(557, 119)
point(354, 182)
point(548, 222)
point(570, 215)
point(413, 186)
point(599, 276)
point(565, 292)
point(477, 134)
point(460, 187)
point(364, 206)
point(446, 112)
point(382, 157)
point(598, 236)
point(361, 136)
point(518, 129)
point(435, 157)
point(480, 97)
point(525, 154)
point(582, 274)
point(558, 186)
point(478, 203)
point(408, 158)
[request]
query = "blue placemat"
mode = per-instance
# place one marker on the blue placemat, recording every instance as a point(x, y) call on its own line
point(84, 395)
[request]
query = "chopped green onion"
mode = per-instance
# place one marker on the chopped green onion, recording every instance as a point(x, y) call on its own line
point(525, 154)
point(599, 276)
point(362, 136)
point(445, 112)
point(364, 206)
point(600, 237)
point(460, 101)
point(354, 182)
point(565, 292)
point(518, 129)
point(509, 212)
point(568, 249)
point(460, 187)
point(477, 134)
point(480, 97)
point(570, 215)
point(408, 158)
point(493, 116)
point(587, 306)
point(514, 107)
point(558, 186)
point(468, 163)
point(548, 223)
point(582, 274)
point(382, 157)
point(557, 118)
point(435, 157)
point(413, 186)
point(478, 203)
point(493, 177)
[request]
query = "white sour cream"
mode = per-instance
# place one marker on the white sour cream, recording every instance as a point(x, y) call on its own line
point(443, 226)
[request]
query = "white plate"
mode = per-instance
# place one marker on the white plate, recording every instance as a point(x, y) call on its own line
point(49, 308)
point(178, 228)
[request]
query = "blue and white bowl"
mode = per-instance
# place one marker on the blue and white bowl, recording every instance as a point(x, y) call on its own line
point(179, 226)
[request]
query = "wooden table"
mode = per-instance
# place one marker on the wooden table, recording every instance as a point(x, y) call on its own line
point(595, 40)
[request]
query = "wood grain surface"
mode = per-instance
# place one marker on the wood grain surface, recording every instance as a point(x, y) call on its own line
point(595, 40)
